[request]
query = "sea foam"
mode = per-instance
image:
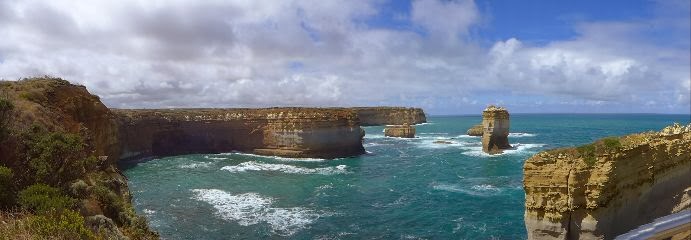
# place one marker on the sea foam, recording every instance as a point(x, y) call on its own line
point(251, 208)
point(518, 149)
point(257, 166)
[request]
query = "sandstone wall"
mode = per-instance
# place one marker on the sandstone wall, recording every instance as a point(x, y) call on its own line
point(292, 132)
point(571, 197)
point(495, 124)
point(373, 116)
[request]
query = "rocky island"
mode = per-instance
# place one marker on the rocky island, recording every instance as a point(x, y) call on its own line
point(400, 131)
point(604, 189)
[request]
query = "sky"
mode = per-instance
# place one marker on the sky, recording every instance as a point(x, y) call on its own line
point(447, 57)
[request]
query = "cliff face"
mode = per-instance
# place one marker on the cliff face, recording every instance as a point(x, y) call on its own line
point(607, 188)
point(60, 107)
point(495, 124)
point(373, 116)
point(291, 132)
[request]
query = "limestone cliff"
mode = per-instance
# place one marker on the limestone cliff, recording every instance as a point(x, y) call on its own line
point(401, 131)
point(373, 116)
point(60, 107)
point(291, 132)
point(495, 124)
point(601, 190)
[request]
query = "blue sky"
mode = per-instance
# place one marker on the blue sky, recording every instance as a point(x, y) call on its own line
point(448, 57)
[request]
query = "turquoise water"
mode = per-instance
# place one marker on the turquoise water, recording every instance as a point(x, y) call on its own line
point(401, 189)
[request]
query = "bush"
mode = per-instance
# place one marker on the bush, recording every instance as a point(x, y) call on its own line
point(611, 143)
point(56, 158)
point(41, 198)
point(6, 187)
point(64, 225)
point(112, 204)
point(6, 108)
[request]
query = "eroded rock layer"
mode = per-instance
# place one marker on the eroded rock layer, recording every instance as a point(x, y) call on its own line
point(475, 130)
point(291, 132)
point(607, 188)
point(401, 131)
point(373, 116)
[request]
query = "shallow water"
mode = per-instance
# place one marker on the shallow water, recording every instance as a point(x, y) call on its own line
point(401, 189)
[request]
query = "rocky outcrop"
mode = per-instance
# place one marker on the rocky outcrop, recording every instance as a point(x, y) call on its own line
point(604, 189)
point(495, 124)
point(476, 130)
point(375, 116)
point(60, 107)
point(401, 131)
point(291, 132)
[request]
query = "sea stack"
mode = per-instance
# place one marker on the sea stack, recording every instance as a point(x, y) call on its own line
point(495, 124)
point(401, 131)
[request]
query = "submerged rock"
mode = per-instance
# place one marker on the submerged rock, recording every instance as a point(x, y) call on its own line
point(475, 130)
point(604, 189)
point(442, 142)
point(495, 123)
point(401, 131)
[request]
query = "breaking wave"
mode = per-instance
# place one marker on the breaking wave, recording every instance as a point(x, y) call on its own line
point(251, 208)
point(257, 166)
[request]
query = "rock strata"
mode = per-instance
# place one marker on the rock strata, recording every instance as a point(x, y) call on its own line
point(495, 124)
point(289, 132)
point(376, 116)
point(604, 189)
point(401, 131)
point(475, 130)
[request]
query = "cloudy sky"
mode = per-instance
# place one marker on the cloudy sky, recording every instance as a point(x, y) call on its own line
point(448, 57)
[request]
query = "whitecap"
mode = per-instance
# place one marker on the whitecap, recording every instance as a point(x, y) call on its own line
point(251, 208)
point(285, 159)
point(518, 149)
point(196, 165)
point(257, 166)
point(519, 134)
point(215, 158)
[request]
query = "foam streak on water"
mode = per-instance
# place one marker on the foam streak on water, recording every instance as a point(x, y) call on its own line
point(257, 166)
point(251, 208)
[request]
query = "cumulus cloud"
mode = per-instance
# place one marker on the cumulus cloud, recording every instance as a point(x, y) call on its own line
point(324, 53)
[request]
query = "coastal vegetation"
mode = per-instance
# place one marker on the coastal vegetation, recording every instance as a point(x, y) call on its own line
point(52, 183)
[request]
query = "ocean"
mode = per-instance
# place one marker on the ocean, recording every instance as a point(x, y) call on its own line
point(400, 189)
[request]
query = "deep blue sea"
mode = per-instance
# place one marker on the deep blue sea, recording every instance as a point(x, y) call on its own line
point(401, 189)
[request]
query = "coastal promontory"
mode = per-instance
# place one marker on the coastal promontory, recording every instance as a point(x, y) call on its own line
point(606, 188)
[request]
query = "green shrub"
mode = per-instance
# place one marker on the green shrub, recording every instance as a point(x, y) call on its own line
point(6, 187)
point(64, 225)
point(56, 158)
point(41, 198)
point(6, 108)
point(611, 143)
point(587, 152)
point(112, 204)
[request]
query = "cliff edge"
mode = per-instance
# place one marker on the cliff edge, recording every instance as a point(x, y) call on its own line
point(604, 189)
point(375, 116)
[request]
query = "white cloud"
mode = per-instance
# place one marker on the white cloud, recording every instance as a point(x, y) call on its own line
point(322, 53)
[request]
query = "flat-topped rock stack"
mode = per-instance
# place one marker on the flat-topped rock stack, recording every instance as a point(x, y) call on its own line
point(401, 131)
point(495, 124)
